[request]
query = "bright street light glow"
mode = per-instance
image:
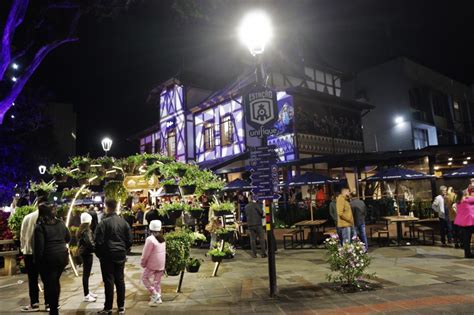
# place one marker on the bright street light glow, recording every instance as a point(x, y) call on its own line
point(106, 144)
point(464, 162)
point(15, 66)
point(398, 120)
point(12, 116)
point(255, 31)
point(450, 159)
point(42, 169)
point(14, 79)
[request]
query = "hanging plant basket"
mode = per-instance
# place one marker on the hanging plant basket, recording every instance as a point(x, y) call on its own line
point(173, 273)
point(170, 189)
point(181, 172)
point(225, 236)
point(107, 165)
point(188, 189)
point(211, 191)
point(217, 258)
point(220, 213)
point(84, 167)
point(193, 269)
point(82, 181)
point(60, 178)
point(196, 214)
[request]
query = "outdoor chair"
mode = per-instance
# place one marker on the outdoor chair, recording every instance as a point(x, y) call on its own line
point(424, 230)
point(295, 236)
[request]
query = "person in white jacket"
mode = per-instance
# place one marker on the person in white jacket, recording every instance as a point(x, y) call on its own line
point(26, 239)
point(439, 206)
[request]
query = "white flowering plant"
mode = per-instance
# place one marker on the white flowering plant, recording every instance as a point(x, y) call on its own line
point(347, 262)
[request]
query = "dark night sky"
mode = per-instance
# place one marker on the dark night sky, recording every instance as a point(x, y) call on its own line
point(108, 74)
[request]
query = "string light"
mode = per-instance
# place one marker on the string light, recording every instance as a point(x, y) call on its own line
point(15, 66)
point(14, 79)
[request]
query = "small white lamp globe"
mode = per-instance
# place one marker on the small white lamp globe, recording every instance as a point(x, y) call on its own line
point(255, 31)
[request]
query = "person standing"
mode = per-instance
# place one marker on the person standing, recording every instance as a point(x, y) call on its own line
point(26, 241)
point(333, 213)
point(345, 220)
point(113, 239)
point(95, 219)
point(50, 253)
point(254, 214)
point(86, 249)
point(465, 220)
point(439, 206)
point(359, 211)
point(153, 262)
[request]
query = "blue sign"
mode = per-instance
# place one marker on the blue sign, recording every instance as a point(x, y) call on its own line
point(264, 172)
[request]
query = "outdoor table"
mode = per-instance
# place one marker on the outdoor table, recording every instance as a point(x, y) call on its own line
point(314, 226)
point(399, 220)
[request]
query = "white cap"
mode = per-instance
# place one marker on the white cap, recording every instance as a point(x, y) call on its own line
point(86, 218)
point(155, 226)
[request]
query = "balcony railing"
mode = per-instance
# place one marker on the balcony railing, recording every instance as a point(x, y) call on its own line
point(327, 145)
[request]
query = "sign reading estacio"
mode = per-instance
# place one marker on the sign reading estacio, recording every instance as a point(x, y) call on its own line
point(261, 111)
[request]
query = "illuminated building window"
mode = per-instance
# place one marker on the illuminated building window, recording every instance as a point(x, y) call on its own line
point(457, 111)
point(227, 130)
point(420, 137)
point(146, 144)
point(171, 143)
point(209, 137)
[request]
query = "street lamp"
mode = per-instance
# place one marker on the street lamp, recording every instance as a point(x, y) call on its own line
point(398, 120)
point(255, 32)
point(42, 169)
point(106, 144)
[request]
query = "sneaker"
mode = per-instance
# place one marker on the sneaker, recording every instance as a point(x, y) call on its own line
point(89, 298)
point(105, 312)
point(31, 308)
point(121, 311)
point(47, 309)
point(158, 300)
point(93, 295)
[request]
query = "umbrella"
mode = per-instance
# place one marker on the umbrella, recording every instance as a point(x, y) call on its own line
point(466, 171)
point(311, 179)
point(238, 184)
point(396, 173)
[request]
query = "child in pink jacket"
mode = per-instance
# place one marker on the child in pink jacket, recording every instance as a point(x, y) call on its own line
point(153, 262)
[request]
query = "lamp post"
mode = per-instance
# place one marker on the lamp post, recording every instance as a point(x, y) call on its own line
point(106, 144)
point(42, 169)
point(255, 32)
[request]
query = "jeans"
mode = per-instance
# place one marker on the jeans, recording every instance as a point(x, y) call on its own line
point(52, 286)
point(33, 275)
point(466, 240)
point(113, 274)
point(446, 228)
point(362, 234)
point(346, 234)
point(154, 286)
point(255, 231)
point(86, 272)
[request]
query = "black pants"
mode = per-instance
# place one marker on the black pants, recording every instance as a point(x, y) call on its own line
point(255, 231)
point(446, 229)
point(466, 240)
point(86, 272)
point(457, 235)
point(113, 274)
point(50, 275)
point(33, 275)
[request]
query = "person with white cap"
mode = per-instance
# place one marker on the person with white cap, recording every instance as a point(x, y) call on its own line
point(153, 262)
point(85, 241)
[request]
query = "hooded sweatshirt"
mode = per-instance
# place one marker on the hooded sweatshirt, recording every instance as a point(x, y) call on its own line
point(154, 254)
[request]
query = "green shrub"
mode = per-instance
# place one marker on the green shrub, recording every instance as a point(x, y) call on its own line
point(178, 246)
point(15, 220)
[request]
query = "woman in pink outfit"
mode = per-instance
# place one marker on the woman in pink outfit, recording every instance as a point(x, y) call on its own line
point(153, 261)
point(465, 219)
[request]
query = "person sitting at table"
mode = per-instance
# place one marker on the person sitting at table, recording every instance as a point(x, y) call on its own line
point(345, 219)
point(359, 210)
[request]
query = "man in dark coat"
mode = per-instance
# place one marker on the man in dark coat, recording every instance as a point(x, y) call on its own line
point(113, 239)
point(254, 214)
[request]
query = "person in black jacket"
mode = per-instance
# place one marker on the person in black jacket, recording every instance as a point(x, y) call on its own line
point(254, 214)
point(85, 242)
point(113, 239)
point(50, 253)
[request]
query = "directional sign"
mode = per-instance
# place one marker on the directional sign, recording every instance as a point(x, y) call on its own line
point(264, 172)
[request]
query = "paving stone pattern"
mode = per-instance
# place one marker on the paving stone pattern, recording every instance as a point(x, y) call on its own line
point(412, 280)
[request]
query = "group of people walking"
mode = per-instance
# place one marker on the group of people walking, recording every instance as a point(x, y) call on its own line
point(456, 216)
point(44, 243)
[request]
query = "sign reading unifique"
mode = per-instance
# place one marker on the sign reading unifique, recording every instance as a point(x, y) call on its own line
point(140, 182)
point(261, 111)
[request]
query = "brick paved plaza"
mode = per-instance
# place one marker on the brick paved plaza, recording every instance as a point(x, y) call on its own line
point(411, 280)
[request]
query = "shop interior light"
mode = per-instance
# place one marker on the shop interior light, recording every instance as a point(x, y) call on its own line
point(450, 163)
point(450, 159)
point(436, 168)
point(464, 162)
point(468, 158)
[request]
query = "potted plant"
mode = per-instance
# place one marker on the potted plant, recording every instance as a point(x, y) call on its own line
point(178, 246)
point(229, 251)
point(15, 220)
point(222, 208)
point(153, 169)
point(195, 211)
point(59, 173)
point(42, 188)
point(169, 186)
point(172, 210)
point(187, 184)
point(71, 193)
point(193, 264)
point(131, 164)
point(216, 254)
point(199, 238)
point(106, 162)
point(152, 158)
point(224, 234)
point(114, 189)
point(83, 163)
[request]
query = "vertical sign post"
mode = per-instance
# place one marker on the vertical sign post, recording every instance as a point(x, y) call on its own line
point(261, 113)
